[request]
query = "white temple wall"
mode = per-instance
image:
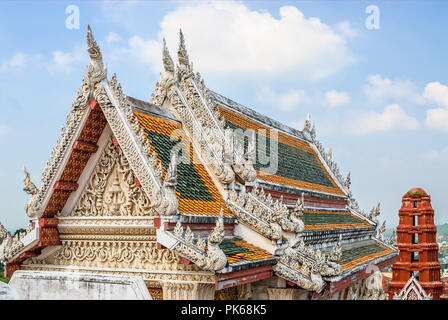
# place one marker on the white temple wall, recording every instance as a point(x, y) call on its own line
point(46, 285)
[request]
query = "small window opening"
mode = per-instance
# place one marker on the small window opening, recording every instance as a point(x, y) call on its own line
point(415, 221)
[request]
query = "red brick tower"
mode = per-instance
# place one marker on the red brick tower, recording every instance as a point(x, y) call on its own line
point(416, 240)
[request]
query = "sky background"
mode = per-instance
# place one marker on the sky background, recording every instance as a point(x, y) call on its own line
point(378, 97)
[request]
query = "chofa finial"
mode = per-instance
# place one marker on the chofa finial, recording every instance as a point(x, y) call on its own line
point(168, 63)
point(95, 69)
point(92, 47)
point(182, 51)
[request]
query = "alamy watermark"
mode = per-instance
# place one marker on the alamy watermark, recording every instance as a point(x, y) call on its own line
point(373, 18)
point(73, 18)
point(257, 147)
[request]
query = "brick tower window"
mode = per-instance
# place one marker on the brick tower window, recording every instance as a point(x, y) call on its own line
point(415, 238)
point(415, 203)
point(414, 256)
point(415, 221)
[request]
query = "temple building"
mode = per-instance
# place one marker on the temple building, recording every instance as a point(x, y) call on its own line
point(190, 196)
point(416, 274)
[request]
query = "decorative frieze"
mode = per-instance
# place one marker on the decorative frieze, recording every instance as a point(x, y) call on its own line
point(185, 245)
point(115, 254)
point(264, 215)
point(306, 267)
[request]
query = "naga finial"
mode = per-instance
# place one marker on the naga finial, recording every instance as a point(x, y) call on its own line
point(375, 212)
point(348, 181)
point(30, 188)
point(168, 63)
point(307, 125)
point(300, 205)
point(313, 132)
point(171, 173)
point(217, 234)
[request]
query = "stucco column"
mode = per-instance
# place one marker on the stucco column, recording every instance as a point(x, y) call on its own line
point(244, 291)
point(281, 293)
point(188, 291)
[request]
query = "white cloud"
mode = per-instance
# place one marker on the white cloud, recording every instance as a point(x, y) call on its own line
point(383, 89)
point(16, 63)
point(113, 37)
point(393, 117)
point(437, 93)
point(285, 101)
point(4, 129)
point(346, 29)
point(437, 154)
point(437, 118)
point(147, 51)
point(228, 37)
point(335, 98)
point(66, 62)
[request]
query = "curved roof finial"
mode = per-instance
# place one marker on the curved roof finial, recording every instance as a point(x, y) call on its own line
point(92, 47)
point(182, 51)
point(95, 70)
point(168, 63)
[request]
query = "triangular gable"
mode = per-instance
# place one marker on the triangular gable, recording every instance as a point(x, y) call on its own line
point(412, 290)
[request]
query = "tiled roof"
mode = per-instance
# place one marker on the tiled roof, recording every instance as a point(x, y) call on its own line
point(353, 257)
point(316, 220)
point(238, 251)
point(196, 191)
point(298, 163)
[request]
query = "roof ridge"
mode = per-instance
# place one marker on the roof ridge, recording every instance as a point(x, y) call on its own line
point(255, 115)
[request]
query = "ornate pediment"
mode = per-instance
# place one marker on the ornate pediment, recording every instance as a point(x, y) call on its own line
point(111, 189)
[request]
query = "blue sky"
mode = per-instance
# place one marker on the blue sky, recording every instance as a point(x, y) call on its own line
point(378, 97)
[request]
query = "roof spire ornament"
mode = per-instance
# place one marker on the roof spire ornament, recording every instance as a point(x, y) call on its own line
point(182, 51)
point(168, 63)
point(169, 188)
point(313, 132)
point(393, 238)
point(380, 232)
point(96, 71)
point(348, 181)
point(171, 174)
point(307, 125)
point(375, 212)
point(30, 187)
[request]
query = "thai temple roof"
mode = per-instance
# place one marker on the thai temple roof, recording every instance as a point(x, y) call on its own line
point(209, 204)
